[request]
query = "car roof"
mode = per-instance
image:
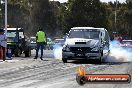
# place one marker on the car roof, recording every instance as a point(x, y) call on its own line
point(87, 28)
point(127, 40)
point(33, 37)
point(59, 39)
point(13, 28)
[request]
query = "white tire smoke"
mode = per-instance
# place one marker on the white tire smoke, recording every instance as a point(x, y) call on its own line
point(58, 52)
point(118, 53)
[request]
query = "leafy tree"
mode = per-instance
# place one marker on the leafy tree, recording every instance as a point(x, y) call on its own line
point(31, 14)
point(42, 16)
point(56, 17)
point(85, 13)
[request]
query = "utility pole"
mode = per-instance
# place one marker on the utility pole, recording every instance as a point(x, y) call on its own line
point(5, 20)
point(5, 16)
point(116, 17)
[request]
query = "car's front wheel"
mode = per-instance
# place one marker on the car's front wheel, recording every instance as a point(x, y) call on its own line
point(100, 60)
point(64, 60)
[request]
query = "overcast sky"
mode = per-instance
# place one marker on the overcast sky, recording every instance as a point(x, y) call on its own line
point(100, 0)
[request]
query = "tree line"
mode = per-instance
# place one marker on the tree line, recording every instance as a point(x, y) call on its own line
point(57, 18)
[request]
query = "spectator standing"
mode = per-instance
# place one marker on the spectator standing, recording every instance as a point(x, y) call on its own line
point(3, 43)
point(41, 41)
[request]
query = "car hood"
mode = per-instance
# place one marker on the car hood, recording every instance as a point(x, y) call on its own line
point(82, 42)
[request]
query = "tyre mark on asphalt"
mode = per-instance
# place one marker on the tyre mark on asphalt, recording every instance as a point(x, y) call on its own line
point(69, 79)
point(23, 74)
point(47, 74)
point(26, 69)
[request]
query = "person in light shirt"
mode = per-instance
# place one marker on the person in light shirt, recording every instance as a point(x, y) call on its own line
point(3, 43)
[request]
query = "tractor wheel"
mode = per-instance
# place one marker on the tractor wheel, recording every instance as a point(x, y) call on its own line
point(17, 52)
point(28, 53)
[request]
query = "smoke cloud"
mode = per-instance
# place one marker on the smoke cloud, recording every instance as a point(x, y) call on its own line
point(58, 51)
point(118, 53)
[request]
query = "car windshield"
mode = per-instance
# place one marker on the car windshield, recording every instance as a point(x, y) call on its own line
point(11, 37)
point(84, 33)
point(11, 34)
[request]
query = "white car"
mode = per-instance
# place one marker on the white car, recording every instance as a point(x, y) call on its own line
point(87, 43)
